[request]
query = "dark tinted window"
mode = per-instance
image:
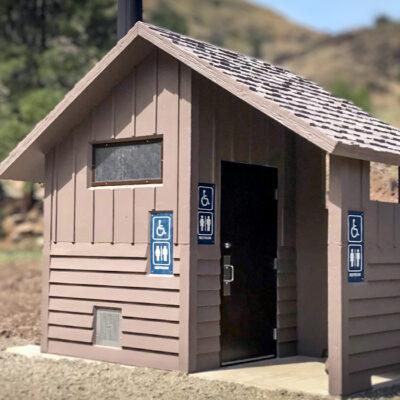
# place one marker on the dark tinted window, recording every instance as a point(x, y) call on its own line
point(127, 162)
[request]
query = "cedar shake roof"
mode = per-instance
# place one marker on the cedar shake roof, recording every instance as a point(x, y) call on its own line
point(335, 125)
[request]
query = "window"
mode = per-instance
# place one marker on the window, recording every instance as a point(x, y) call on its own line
point(138, 161)
point(384, 183)
point(107, 327)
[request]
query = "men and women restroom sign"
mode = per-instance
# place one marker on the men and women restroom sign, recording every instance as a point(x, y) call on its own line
point(355, 246)
point(161, 243)
point(206, 214)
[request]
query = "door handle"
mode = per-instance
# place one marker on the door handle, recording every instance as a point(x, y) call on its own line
point(232, 275)
point(229, 277)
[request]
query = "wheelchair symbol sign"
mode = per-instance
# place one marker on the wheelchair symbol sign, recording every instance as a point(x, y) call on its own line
point(355, 227)
point(206, 197)
point(161, 227)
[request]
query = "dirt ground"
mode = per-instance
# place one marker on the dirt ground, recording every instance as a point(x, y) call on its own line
point(39, 379)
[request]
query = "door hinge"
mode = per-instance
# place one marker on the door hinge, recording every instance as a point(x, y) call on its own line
point(276, 265)
point(275, 334)
point(276, 194)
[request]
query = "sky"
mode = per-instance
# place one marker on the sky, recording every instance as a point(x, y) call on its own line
point(334, 16)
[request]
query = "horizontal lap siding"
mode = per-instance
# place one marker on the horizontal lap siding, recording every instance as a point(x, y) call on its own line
point(149, 305)
point(99, 237)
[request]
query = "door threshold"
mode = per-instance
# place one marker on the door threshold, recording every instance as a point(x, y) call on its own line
point(247, 360)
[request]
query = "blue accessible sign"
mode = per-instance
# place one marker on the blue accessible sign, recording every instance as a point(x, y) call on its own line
point(161, 246)
point(355, 246)
point(206, 214)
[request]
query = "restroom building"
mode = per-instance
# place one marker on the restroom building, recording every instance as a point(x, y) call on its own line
point(204, 208)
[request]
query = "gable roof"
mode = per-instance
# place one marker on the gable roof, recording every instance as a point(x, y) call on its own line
point(335, 125)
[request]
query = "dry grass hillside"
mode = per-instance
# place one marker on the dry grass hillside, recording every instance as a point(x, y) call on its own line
point(236, 24)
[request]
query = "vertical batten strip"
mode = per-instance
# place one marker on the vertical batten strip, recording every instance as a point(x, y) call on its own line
point(178, 151)
point(74, 186)
point(55, 196)
point(91, 133)
point(134, 112)
point(48, 223)
point(134, 100)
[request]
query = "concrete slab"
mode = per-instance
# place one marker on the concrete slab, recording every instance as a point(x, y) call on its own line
point(294, 374)
point(33, 351)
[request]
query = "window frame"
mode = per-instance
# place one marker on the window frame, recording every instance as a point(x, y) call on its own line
point(126, 142)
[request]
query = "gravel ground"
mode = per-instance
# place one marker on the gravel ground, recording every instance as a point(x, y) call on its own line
point(40, 379)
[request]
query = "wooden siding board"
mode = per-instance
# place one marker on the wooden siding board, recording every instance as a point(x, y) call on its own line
point(374, 341)
point(71, 334)
point(146, 92)
point(124, 116)
point(374, 306)
point(110, 279)
point(100, 250)
point(123, 216)
point(103, 216)
point(115, 294)
point(158, 328)
point(125, 356)
point(144, 204)
point(99, 264)
point(71, 320)
point(167, 345)
point(65, 191)
point(83, 196)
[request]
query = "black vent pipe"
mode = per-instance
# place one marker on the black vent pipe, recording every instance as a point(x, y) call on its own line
point(129, 12)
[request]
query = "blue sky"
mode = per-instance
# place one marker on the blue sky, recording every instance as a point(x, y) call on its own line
point(334, 16)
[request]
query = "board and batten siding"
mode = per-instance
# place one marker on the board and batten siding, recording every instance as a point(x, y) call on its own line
point(225, 128)
point(364, 335)
point(97, 239)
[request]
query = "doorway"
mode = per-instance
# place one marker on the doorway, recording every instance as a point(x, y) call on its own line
point(249, 249)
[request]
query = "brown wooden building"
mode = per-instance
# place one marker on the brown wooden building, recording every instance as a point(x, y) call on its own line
point(160, 115)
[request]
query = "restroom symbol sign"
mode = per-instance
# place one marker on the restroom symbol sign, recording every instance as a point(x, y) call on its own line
point(161, 255)
point(206, 214)
point(206, 197)
point(355, 246)
point(355, 261)
point(205, 224)
point(161, 227)
point(355, 226)
point(161, 243)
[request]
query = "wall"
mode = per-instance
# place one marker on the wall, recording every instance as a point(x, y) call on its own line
point(364, 318)
point(311, 250)
point(97, 239)
point(225, 128)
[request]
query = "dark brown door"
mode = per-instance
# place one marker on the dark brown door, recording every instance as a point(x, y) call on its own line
point(248, 245)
